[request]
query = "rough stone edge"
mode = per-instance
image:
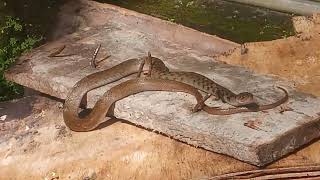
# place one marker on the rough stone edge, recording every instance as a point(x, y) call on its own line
point(288, 142)
point(204, 140)
point(43, 87)
point(257, 155)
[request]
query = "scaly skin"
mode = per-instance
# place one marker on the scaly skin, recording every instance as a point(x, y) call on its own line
point(243, 101)
point(165, 81)
point(207, 85)
point(120, 91)
point(200, 82)
point(98, 79)
point(93, 81)
point(253, 108)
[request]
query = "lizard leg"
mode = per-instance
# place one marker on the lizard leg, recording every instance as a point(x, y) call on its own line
point(147, 63)
point(199, 105)
point(140, 69)
point(215, 98)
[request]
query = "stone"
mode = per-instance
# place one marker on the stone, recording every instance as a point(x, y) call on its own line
point(126, 34)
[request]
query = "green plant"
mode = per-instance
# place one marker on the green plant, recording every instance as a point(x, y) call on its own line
point(13, 42)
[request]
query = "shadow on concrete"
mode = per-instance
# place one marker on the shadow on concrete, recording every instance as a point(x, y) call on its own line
point(17, 109)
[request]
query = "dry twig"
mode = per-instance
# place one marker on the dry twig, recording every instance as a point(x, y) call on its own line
point(93, 59)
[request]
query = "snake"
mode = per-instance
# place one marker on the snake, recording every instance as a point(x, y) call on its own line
point(188, 82)
point(104, 105)
point(77, 96)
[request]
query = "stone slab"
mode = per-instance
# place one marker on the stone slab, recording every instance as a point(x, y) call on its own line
point(127, 34)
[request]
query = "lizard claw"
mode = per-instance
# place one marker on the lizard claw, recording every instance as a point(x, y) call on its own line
point(197, 107)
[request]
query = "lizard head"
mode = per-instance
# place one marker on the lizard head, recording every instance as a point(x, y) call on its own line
point(244, 99)
point(152, 64)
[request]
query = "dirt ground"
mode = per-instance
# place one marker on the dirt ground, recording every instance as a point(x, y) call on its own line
point(295, 58)
point(35, 144)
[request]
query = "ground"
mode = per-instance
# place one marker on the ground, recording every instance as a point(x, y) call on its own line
point(35, 144)
point(295, 58)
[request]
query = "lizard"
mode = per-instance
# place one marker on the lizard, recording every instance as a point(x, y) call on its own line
point(244, 101)
point(248, 108)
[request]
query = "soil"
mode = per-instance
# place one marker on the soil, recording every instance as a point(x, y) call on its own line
point(295, 58)
point(35, 144)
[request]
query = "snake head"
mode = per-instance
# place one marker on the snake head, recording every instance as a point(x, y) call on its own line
point(244, 99)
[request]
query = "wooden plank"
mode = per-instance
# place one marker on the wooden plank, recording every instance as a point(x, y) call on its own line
point(127, 34)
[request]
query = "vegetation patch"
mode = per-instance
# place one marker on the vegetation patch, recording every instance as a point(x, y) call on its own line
point(13, 42)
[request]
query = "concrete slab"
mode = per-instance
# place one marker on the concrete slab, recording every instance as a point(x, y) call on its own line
point(128, 34)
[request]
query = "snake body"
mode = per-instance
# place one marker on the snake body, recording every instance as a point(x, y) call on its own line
point(161, 79)
point(78, 93)
point(93, 81)
point(120, 91)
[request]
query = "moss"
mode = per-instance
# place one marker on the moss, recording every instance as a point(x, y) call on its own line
point(236, 22)
point(13, 42)
point(231, 21)
point(24, 24)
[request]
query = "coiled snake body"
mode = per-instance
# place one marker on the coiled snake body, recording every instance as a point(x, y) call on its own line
point(160, 79)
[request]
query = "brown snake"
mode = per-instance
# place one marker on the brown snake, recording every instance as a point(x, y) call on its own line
point(120, 91)
point(93, 81)
point(157, 69)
